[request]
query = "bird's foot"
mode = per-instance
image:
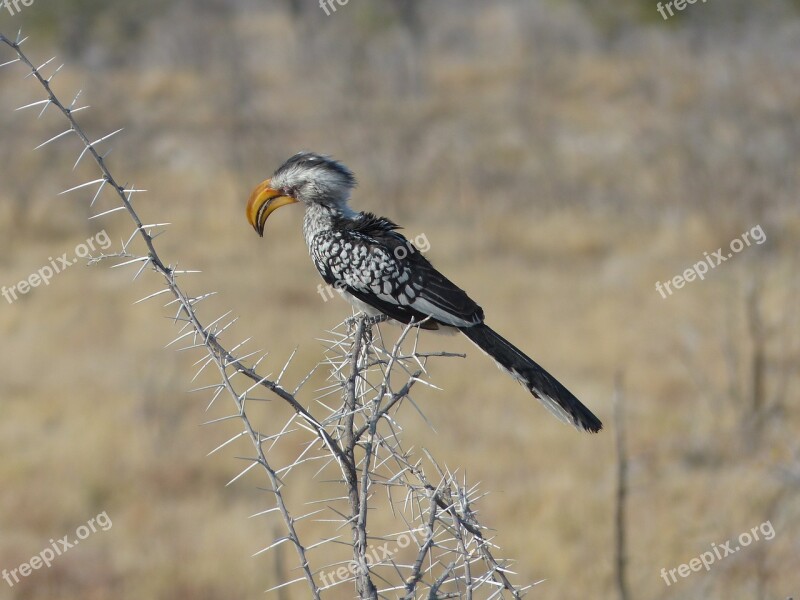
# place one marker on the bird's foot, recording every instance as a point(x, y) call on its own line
point(369, 321)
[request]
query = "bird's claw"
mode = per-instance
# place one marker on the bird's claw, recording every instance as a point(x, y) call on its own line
point(369, 321)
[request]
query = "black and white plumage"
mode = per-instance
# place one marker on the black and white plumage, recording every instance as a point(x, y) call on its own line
point(378, 270)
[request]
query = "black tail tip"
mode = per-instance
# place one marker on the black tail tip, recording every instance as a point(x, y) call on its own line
point(590, 423)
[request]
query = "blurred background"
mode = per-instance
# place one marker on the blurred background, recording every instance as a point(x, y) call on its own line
point(560, 157)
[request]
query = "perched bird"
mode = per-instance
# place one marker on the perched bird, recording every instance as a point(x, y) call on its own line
point(381, 273)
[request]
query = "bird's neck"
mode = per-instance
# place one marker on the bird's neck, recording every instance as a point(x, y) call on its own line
point(319, 218)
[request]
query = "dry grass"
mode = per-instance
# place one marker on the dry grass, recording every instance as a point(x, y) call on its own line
point(556, 178)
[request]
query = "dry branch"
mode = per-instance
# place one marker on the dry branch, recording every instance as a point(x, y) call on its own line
point(441, 550)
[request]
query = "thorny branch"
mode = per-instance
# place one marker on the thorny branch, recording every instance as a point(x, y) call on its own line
point(360, 435)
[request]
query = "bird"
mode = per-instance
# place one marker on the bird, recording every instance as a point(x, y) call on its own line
point(359, 254)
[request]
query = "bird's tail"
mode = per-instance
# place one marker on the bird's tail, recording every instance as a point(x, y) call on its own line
point(558, 399)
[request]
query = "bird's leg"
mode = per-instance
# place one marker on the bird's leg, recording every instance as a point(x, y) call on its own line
point(370, 321)
point(352, 322)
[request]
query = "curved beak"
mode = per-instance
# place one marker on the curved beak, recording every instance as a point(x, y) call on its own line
point(263, 201)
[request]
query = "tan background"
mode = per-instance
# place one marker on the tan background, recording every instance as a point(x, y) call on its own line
point(560, 157)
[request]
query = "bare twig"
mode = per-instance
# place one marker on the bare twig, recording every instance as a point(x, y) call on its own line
point(360, 437)
point(620, 529)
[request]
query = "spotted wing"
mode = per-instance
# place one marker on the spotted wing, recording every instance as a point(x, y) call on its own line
point(367, 258)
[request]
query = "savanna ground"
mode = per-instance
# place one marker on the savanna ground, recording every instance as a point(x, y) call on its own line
point(560, 158)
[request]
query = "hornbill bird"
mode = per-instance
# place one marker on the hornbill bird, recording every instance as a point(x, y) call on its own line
point(360, 254)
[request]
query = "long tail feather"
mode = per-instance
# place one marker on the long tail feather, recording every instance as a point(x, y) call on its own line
point(558, 399)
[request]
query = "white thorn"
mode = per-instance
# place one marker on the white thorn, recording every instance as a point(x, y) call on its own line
point(153, 295)
point(52, 139)
point(129, 262)
point(83, 185)
point(32, 104)
point(43, 109)
point(97, 194)
point(108, 212)
point(244, 472)
point(45, 63)
point(49, 79)
point(75, 99)
point(223, 444)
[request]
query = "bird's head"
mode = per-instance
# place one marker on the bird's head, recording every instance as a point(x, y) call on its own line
point(306, 177)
